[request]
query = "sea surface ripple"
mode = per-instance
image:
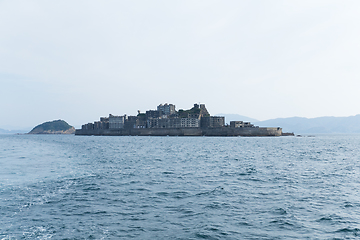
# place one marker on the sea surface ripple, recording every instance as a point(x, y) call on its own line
point(86, 187)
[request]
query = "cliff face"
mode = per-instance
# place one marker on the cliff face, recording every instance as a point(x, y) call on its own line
point(54, 127)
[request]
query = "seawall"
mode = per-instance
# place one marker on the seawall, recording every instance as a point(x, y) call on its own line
point(221, 131)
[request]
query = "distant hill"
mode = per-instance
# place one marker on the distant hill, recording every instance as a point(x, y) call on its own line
point(54, 127)
point(236, 117)
point(3, 131)
point(300, 125)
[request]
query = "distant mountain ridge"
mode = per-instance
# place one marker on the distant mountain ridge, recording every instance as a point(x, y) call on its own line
point(3, 131)
point(300, 125)
point(236, 117)
point(54, 127)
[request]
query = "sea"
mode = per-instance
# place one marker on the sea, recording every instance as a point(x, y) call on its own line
point(122, 187)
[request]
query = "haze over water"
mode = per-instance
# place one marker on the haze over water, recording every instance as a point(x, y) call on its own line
point(75, 187)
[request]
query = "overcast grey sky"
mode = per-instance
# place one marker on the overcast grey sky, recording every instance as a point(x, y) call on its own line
point(79, 60)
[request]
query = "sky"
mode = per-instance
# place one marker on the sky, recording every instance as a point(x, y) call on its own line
point(80, 60)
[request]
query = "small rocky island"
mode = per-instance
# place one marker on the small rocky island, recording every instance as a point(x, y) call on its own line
point(54, 127)
point(167, 121)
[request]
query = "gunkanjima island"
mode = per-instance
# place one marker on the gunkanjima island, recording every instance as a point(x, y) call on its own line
point(166, 121)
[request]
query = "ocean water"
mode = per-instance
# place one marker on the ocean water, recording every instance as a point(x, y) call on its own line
point(86, 187)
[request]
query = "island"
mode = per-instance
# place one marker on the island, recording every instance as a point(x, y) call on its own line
point(166, 121)
point(53, 127)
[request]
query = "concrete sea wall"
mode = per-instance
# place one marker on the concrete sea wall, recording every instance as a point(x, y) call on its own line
point(246, 131)
point(221, 131)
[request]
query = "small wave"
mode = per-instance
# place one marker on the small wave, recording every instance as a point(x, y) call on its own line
point(180, 195)
point(282, 223)
point(355, 231)
point(243, 224)
point(253, 179)
point(217, 205)
point(247, 171)
point(142, 189)
point(213, 229)
point(204, 236)
point(152, 182)
point(91, 189)
point(162, 193)
point(217, 191)
point(330, 218)
point(38, 232)
point(324, 219)
point(95, 212)
point(280, 211)
point(243, 174)
point(187, 212)
point(350, 205)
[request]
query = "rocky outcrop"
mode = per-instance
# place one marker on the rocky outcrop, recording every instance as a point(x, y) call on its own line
point(54, 127)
